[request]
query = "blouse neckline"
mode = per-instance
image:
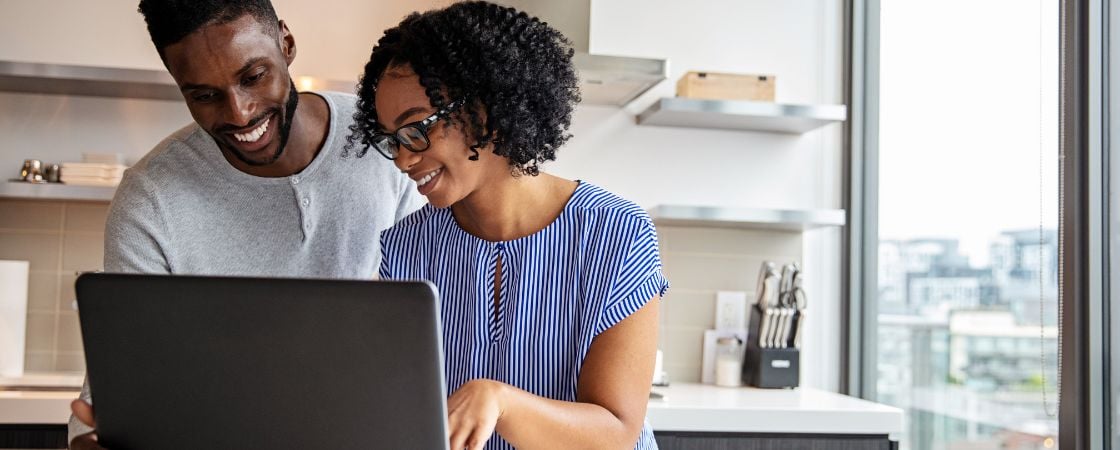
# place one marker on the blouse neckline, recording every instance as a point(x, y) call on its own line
point(580, 187)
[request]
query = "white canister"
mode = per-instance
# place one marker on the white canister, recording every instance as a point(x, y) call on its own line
point(13, 316)
point(729, 362)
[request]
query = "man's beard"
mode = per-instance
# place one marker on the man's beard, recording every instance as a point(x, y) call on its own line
point(285, 130)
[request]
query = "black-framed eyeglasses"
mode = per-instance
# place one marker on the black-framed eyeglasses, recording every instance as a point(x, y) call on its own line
point(412, 136)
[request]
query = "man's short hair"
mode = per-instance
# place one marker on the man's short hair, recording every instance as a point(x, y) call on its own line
point(169, 21)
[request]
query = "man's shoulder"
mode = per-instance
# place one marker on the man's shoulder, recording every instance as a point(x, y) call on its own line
point(174, 150)
point(339, 96)
point(341, 104)
point(171, 158)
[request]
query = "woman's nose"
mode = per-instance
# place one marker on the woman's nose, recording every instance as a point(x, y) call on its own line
point(406, 158)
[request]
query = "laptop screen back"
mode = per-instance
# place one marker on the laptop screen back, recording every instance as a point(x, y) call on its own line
point(206, 362)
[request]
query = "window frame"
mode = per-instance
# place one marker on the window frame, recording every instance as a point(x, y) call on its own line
point(1086, 48)
point(860, 179)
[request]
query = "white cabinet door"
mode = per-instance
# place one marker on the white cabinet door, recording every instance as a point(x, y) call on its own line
point(89, 33)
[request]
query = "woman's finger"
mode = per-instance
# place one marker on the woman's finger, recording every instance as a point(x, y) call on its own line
point(459, 433)
point(483, 431)
point(478, 439)
point(83, 412)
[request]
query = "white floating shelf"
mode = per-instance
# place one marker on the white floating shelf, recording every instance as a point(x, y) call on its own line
point(65, 79)
point(749, 218)
point(741, 115)
point(604, 80)
point(55, 191)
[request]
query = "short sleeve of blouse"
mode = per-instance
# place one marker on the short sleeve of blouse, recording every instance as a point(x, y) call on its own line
point(639, 277)
point(384, 270)
point(398, 249)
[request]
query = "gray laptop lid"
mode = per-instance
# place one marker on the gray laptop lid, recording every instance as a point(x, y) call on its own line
point(204, 362)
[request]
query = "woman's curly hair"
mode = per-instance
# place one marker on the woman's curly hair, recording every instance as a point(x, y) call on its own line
point(511, 68)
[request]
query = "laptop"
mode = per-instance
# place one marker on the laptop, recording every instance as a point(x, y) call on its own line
point(177, 362)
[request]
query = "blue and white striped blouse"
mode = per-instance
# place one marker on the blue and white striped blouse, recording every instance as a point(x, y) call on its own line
point(596, 264)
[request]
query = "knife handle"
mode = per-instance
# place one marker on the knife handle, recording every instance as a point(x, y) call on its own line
point(797, 332)
point(763, 328)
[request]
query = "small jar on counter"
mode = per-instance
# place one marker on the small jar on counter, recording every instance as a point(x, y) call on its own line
point(729, 361)
point(52, 173)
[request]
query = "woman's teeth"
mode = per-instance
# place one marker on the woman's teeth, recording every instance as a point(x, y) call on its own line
point(428, 177)
point(252, 136)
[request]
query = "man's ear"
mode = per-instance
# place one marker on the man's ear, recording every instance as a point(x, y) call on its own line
point(287, 43)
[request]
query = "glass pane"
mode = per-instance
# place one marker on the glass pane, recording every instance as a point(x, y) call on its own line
point(1113, 198)
point(967, 326)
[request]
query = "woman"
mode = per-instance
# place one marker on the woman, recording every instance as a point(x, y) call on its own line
point(548, 286)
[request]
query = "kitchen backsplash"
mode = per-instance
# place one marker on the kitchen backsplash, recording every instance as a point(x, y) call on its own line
point(700, 262)
point(60, 239)
point(63, 238)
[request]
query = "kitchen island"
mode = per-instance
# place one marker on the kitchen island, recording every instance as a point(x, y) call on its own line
point(698, 416)
point(689, 416)
point(35, 408)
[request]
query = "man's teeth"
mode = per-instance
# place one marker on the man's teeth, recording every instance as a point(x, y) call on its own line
point(252, 136)
point(428, 177)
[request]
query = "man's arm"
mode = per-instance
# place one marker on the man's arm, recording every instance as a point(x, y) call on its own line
point(76, 428)
point(133, 234)
point(135, 230)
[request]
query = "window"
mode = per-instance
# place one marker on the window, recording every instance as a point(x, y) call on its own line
point(966, 300)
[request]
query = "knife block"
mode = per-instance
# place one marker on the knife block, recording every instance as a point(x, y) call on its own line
point(769, 368)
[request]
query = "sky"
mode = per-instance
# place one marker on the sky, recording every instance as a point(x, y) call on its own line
point(968, 119)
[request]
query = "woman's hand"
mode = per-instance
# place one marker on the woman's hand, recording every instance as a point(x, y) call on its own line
point(84, 413)
point(473, 411)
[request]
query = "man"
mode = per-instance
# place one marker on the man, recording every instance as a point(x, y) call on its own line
point(260, 184)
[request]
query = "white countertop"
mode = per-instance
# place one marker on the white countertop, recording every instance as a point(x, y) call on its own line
point(686, 407)
point(38, 406)
point(45, 380)
point(700, 407)
point(35, 407)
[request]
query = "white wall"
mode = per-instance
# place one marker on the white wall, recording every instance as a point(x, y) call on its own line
point(796, 40)
point(799, 41)
point(91, 33)
point(333, 37)
point(57, 129)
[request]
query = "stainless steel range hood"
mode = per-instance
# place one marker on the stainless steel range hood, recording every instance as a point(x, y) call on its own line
point(604, 79)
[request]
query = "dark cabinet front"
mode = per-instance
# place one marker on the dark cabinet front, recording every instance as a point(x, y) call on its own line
point(32, 436)
point(674, 440)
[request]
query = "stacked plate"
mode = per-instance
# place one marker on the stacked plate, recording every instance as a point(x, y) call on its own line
point(103, 158)
point(92, 174)
point(96, 169)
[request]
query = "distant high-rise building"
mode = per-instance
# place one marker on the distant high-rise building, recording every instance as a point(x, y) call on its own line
point(1019, 258)
point(963, 347)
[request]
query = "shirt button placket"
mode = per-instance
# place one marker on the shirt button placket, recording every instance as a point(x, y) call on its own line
point(305, 204)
